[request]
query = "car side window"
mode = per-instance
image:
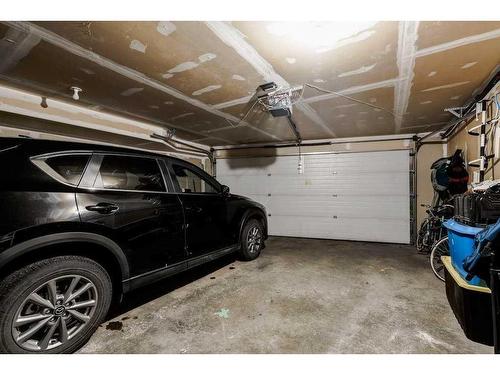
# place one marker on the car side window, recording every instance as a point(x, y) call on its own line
point(69, 167)
point(129, 173)
point(191, 182)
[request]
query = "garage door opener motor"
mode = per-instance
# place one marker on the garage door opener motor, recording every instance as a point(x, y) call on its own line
point(278, 101)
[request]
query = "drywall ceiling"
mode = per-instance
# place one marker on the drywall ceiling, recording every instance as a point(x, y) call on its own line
point(198, 77)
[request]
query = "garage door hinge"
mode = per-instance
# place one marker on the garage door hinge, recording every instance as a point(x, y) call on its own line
point(269, 194)
point(335, 216)
point(269, 174)
point(334, 172)
point(412, 171)
point(334, 195)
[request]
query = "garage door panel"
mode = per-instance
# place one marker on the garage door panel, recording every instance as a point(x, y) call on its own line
point(356, 162)
point(368, 207)
point(299, 185)
point(327, 206)
point(357, 184)
point(360, 196)
point(342, 229)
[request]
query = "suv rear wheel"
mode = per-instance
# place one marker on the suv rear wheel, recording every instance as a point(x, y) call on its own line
point(252, 240)
point(53, 305)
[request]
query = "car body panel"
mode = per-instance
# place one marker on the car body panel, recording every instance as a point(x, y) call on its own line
point(25, 209)
point(150, 226)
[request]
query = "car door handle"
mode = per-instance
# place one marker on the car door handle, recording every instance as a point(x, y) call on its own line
point(103, 208)
point(194, 209)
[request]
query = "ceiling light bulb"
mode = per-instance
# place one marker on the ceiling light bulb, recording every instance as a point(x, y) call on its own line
point(322, 35)
point(76, 90)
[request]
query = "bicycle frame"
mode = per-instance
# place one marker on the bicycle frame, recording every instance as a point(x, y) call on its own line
point(432, 229)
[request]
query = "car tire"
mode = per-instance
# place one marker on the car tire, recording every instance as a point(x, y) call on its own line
point(53, 305)
point(252, 240)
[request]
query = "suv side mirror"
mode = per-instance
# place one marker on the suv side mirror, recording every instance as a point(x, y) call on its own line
point(225, 190)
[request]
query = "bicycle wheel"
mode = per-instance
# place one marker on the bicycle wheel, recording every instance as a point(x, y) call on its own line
point(439, 249)
point(422, 232)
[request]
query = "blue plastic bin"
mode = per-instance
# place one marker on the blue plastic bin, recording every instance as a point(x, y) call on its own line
point(461, 242)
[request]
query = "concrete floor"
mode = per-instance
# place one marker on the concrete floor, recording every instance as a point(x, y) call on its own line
point(299, 296)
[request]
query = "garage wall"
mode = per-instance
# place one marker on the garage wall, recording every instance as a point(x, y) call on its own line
point(427, 155)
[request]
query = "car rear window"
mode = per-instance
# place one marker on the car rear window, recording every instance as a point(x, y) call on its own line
point(129, 173)
point(69, 167)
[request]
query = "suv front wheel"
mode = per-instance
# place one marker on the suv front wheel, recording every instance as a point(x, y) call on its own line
point(252, 239)
point(53, 305)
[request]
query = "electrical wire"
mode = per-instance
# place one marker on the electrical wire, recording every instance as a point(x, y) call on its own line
point(350, 98)
point(244, 116)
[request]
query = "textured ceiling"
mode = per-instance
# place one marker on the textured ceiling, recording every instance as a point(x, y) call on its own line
point(198, 77)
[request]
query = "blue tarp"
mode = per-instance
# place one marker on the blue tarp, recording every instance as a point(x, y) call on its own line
point(487, 235)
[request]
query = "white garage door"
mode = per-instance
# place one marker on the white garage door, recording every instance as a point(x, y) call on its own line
point(353, 196)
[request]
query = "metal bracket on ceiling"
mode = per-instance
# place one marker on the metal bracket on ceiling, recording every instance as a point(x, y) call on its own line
point(169, 134)
point(461, 112)
point(458, 112)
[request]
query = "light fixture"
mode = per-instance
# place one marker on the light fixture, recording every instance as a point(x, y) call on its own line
point(322, 36)
point(76, 90)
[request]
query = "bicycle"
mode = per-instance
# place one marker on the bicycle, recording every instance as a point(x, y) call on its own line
point(440, 248)
point(431, 230)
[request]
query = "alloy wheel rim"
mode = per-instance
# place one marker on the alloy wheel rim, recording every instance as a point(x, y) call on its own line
point(254, 239)
point(54, 313)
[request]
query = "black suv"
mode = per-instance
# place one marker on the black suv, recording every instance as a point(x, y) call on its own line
point(82, 224)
